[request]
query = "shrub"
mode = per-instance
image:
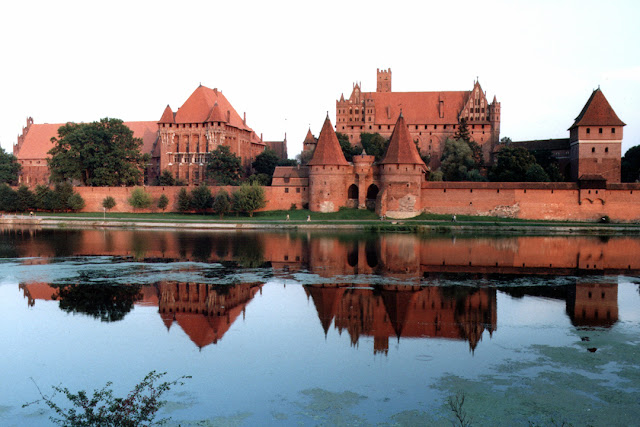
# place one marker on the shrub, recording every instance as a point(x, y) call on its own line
point(109, 203)
point(222, 203)
point(75, 202)
point(201, 198)
point(163, 202)
point(139, 407)
point(140, 199)
point(184, 200)
point(249, 198)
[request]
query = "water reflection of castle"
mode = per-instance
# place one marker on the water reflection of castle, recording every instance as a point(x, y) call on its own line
point(406, 312)
point(205, 312)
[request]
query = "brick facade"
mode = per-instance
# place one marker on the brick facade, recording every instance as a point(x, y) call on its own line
point(431, 117)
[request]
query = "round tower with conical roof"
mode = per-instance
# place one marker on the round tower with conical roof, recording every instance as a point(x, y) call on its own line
point(329, 173)
point(402, 172)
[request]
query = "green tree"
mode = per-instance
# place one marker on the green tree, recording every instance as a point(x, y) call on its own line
point(374, 144)
point(305, 156)
point(260, 179)
point(8, 199)
point(44, 198)
point(266, 162)
point(75, 202)
point(505, 140)
point(536, 173)
point(347, 149)
point(249, 198)
point(103, 153)
point(223, 166)
point(61, 195)
point(462, 133)
point(184, 200)
point(287, 162)
point(163, 202)
point(458, 163)
point(166, 179)
point(631, 165)
point(140, 199)
point(512, 164)
point(222, 203)
point(9, 168)
point(25, 199)
point(108, 203)
point(102, 408)
point(550, 165)
point(201, 198)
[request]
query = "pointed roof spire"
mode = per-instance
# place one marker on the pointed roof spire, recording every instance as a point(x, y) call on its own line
point(328, 151)
point(401, 147)
point(216, 114)
point(309, 138)
point(167, 116)
point(597, 112)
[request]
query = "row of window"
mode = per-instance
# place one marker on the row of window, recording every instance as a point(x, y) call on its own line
point(613, 130)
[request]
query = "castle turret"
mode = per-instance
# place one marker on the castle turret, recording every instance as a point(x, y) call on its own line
point(401, 175)
point(384, 80)
point(596, 141)
point(328, 172)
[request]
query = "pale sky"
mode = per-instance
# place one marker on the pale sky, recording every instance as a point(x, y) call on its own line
point(286, 63)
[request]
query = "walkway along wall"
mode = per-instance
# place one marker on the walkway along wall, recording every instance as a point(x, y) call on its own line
point(547, 201)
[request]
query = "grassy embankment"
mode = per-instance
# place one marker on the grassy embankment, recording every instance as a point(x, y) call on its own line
point(366, 220)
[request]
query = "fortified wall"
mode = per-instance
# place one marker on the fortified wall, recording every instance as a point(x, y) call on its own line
point(523, 200)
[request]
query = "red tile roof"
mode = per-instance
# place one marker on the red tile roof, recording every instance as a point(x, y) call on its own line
point(37, 141)
point(216, 114)
point(418, 107)
point(328, 151)
point(597, 112)
point(198, 107)
point(167, 116)
point(309, 139)
point(402, 149)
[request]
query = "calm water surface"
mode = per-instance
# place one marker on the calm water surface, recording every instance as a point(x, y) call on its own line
point(309, 329)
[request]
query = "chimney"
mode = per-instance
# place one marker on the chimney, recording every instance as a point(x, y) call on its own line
point(228, 116)
point(244, 120)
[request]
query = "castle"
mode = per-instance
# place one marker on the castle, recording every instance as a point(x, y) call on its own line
point(178, 142)
point(431, 117)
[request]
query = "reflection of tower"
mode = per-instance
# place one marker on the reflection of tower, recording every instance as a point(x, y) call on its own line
point(406, 311)
point(205, 312)
point(593, 304)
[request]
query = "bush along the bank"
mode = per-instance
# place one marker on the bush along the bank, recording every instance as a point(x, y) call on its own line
point(61, 198)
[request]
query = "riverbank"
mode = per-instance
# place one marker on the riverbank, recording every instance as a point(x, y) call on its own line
point(472, 225)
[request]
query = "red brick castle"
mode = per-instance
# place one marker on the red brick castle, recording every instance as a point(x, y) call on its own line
point(431, 117)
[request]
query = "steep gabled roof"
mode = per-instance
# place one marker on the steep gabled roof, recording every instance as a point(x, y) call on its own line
point(167, 116)
point(402, 149)
point(328, 151)
point(418, 107)
point(198, 106)
point(597, 112)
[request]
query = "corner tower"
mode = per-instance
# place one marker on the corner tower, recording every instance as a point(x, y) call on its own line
point(401, 175)
point(596, 140)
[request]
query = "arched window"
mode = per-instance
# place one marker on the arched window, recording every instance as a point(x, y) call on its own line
point(352, 192)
